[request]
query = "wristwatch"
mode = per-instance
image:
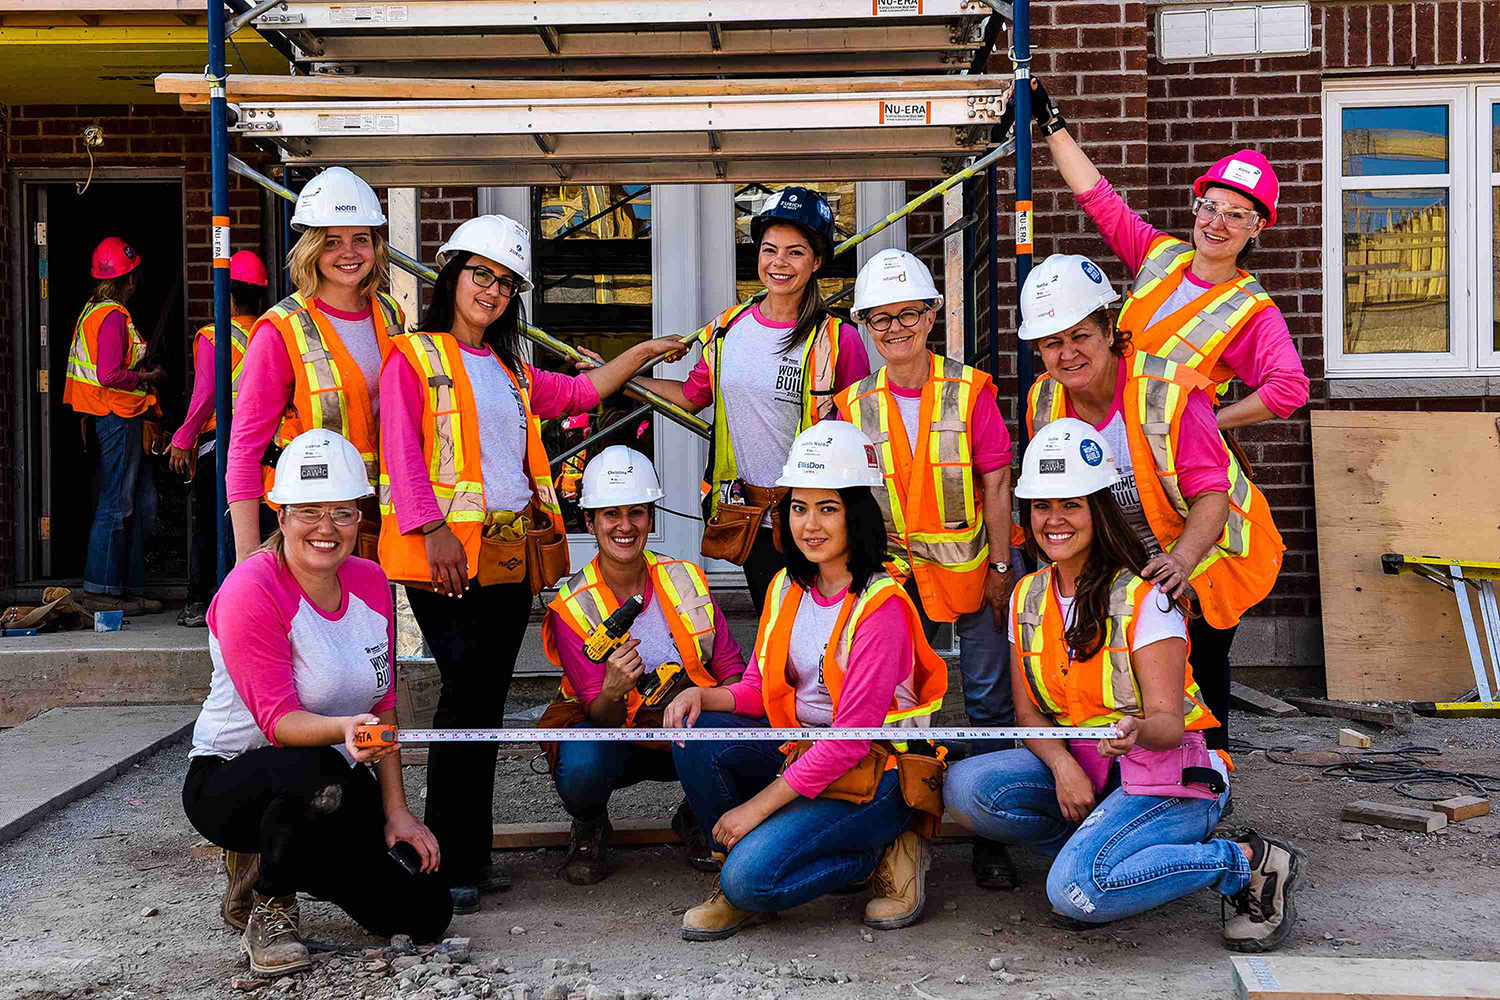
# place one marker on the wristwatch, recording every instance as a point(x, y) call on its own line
point(1000, 567)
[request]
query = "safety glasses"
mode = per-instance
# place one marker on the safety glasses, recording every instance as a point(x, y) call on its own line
point(1234, 217)
point(312, 513)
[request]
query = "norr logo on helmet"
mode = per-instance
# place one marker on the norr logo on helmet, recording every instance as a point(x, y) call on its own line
point(346, 208)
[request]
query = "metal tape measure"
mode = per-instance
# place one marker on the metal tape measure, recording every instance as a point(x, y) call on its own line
point(385, 735)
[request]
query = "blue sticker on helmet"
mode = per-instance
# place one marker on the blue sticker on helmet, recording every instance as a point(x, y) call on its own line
point(1092, 272)
point(824, 210)
point(1091, 452)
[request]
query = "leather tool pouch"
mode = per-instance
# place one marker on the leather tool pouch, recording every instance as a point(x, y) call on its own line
point(546, 553)
point(769, 500)
point(921, 780)
point(559, 715)
point(154, 437)
point(730, 532)
point(858, 784)
point(501, 560)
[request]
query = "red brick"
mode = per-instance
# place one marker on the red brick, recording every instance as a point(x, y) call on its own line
point(1288, 107)
point(1380, 34)
point(1333, 37)
point(1447, 43)
point(1101, 60)
point(1470, 31)
point(1491, 19)
point(1402, 37)
point(1425, 49)
point(1357, 36)
point(1087, 13)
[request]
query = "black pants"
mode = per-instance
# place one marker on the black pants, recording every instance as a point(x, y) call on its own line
point(764, 563)
point(203, 556)
point(319, 827)
point(474, 639)
point(1210, 659)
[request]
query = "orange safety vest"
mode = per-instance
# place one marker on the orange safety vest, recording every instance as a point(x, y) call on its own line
point(932, 509)
point(239, 341)
point(772, 643)
point(1196, 334)
point(330, 391)
point(82, 390)
point(585, 601)
point(1101, 690)
point(1240, 569)
point(820, 358)
point(450, 443)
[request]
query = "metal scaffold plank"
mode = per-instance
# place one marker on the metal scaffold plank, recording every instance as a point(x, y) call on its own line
point(787, 171)
point(610, 68)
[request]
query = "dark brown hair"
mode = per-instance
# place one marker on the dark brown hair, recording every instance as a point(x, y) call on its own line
point(814, 309)
point(865, 525)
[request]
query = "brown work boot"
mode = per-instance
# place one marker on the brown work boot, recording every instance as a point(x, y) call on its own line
point(1266, 908)
point(101, 602)
point(271, 940)
point(695, 846)
point(717, 918)
point(900, 883)
point(585, 863)
point(241, 870)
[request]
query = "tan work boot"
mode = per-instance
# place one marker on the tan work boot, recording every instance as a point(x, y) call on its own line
point(900, 883)
point(1267, 907)
point(717, 918)
point(241, 870)
point(271, 940)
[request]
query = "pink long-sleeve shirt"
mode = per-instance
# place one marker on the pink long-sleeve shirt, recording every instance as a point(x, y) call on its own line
point(552, 395)
point(1262, 355)
point(880, 658)
point(113, 342)
point(587, 677)
point(201, 405)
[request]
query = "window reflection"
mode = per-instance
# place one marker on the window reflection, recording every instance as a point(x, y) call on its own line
point(1395, 271)
point(1396, 140)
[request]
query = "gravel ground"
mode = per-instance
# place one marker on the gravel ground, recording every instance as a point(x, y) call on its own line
point(78, 886)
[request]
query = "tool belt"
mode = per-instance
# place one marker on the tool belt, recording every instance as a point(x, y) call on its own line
point(919, 775)
point(154, 436)
point(367, 545)
point(502, 548)
point(729, 533)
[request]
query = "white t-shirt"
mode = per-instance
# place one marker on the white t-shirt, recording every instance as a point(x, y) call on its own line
point(1125, 492)
point(1153, 625)
point(762, 387)
point(502, 432)
point(358, 336)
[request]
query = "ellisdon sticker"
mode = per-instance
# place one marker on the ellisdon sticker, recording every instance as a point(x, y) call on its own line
point(897, 7)
point(906, 112)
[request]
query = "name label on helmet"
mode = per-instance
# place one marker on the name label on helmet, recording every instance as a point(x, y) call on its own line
point(906, 112)
point(1240, 172)
point(314, 472)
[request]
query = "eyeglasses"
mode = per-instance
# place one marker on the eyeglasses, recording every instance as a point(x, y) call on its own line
point(908, 318)
point(1234, 217)
point(342, 517)
point(484, 278)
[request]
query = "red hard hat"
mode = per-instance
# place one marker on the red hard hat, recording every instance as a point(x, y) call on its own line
point(114, 258)
point(247, 267)
point(1247, 172)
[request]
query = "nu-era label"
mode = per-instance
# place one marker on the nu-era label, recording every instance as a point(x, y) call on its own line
point(897, 7)
point(906, 112)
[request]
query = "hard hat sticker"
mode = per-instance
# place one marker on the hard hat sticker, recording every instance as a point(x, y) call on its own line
point(870, 456)
point(314, 472)
point(1092, 272)
point(1050, 466)
point(1091, 452)
point(1240, 172)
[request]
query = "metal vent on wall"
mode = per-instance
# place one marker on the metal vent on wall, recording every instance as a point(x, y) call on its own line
point(1226, 31)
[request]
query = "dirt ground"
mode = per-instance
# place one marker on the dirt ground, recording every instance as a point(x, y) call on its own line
point(77, 887)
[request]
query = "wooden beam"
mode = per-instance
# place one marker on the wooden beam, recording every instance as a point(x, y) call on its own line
point(1259, 702)
point(1463, 807)
point(1353, 738)
point(1399, 719)
point(1276, 977)
point(1394, 817)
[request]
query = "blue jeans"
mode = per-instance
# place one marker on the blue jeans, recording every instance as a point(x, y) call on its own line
point(808, 847)
point(588, 773)
point(1133, 853)
point(116, 561)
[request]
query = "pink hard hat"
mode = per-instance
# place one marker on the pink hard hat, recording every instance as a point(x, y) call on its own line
point(1248, 173)
point(247, 267)
point(113, 258)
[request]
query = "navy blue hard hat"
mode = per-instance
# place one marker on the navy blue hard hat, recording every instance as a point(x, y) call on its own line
point(804, 208)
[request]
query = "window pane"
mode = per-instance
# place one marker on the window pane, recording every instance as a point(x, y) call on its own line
point(593, 290)
point(1495, 134)
point(748, 200)
point(1395, 271)
point(1495, 257)
point(1405, 140)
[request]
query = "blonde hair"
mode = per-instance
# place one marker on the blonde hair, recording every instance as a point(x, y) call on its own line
point(114, 289)
point(276, 545)
point(302, 262)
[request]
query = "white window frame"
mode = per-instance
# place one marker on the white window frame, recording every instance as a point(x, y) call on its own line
point(1487, 174)
point(1464, 355)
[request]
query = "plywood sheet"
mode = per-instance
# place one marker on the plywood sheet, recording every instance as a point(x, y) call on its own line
point(1273, 977)
point(1425, 483)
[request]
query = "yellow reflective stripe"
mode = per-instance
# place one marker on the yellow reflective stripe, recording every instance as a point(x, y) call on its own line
point(1031, 607)
point(774, 601)
point(926, 708)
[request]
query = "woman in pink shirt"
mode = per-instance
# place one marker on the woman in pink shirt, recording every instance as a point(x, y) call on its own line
point(773, 365)
point(1193, 301)
point(462, 469)
point(840, 645)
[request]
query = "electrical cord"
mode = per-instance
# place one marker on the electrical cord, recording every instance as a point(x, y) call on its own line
point(1401, 768)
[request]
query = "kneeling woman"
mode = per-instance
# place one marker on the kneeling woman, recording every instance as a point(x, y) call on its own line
point(840, 645)
point(301, 637)
point(678, 639)
point(1128, 820)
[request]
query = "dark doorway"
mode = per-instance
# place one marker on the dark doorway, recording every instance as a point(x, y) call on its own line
point(147, 215)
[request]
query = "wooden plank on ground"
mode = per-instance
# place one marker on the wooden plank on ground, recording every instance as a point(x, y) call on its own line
point(1399, 482)
point(629, 833)
point(1394, 817)
point(1353, 738)
point(1463, 807)
point(1399, 719)
point(1274, 977)
point(1248, 698)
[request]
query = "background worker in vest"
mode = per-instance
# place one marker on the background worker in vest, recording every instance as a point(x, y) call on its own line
point(1193, 301)
point(110, 384)
point(1202, 521)
point(679, 628)
point(302, 637)
point(956, 531)
point(464, 480)
point(192, 455)
point(840, 645)
point(314, 359)
point(775, 363)
point(1095, 644)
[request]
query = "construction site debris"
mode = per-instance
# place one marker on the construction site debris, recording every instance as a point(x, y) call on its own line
point(1394, 817)
point(1398, 719)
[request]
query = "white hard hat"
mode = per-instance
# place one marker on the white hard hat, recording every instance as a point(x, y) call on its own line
point(831, 455)
point(619, 476)
point(892, 276)
point(319, 466)
point(1067, 458)
point(1060, 293)
point(498, 237)
point(337, 197)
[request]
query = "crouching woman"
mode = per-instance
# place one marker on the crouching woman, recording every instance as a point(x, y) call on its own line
point(840, 645)
point(1129, 820)
point(301, 636)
